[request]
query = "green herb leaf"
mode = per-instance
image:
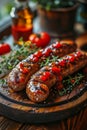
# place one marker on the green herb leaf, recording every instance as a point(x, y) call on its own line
point(70, 82)
point(48, 60)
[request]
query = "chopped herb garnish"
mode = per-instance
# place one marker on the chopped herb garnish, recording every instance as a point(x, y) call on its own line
point(48, 60)
point(70, 82)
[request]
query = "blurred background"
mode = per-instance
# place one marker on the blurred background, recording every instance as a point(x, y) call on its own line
point(6, 5)
point(5, 8)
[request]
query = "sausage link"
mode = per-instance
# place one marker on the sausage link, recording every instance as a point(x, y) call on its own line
point(49, 75)
point(19, 76)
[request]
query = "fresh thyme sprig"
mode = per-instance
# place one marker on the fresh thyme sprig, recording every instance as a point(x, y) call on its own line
point(48, 60)
point(70, 83)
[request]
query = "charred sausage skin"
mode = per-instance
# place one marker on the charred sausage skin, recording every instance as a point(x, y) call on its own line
point(19, 76)
point(39, 86)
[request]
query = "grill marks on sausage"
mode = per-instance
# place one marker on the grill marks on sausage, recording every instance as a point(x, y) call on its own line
point(20, 75)
point(34, 87)
point(73, 63)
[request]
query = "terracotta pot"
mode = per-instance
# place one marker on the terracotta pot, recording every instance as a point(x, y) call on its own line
point(58, 21)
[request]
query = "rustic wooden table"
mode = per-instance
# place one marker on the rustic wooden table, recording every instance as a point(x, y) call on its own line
point(7, 124)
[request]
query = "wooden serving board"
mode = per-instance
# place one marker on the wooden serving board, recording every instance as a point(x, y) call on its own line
point(18, 107)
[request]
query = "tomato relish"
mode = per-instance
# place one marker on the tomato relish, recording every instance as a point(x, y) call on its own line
point(38, 54)
point(72, 58)
point(23, 68)
point(62, 63)
point(56, 70)
point(79, 54)
point(45, 76)
point(35, 59)
point(47, 52)
point(57, 45)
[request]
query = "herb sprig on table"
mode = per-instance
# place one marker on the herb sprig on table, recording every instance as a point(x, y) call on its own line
point(70, 83)
point(10, 61)
point(48, 60)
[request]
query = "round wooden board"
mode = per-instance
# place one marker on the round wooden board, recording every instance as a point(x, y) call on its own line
point(18, 107)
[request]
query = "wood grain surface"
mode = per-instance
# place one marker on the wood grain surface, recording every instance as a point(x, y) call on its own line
point(78, 122)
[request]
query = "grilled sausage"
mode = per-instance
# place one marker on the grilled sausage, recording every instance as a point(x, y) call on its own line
point(40, 83)
point(19, 76)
